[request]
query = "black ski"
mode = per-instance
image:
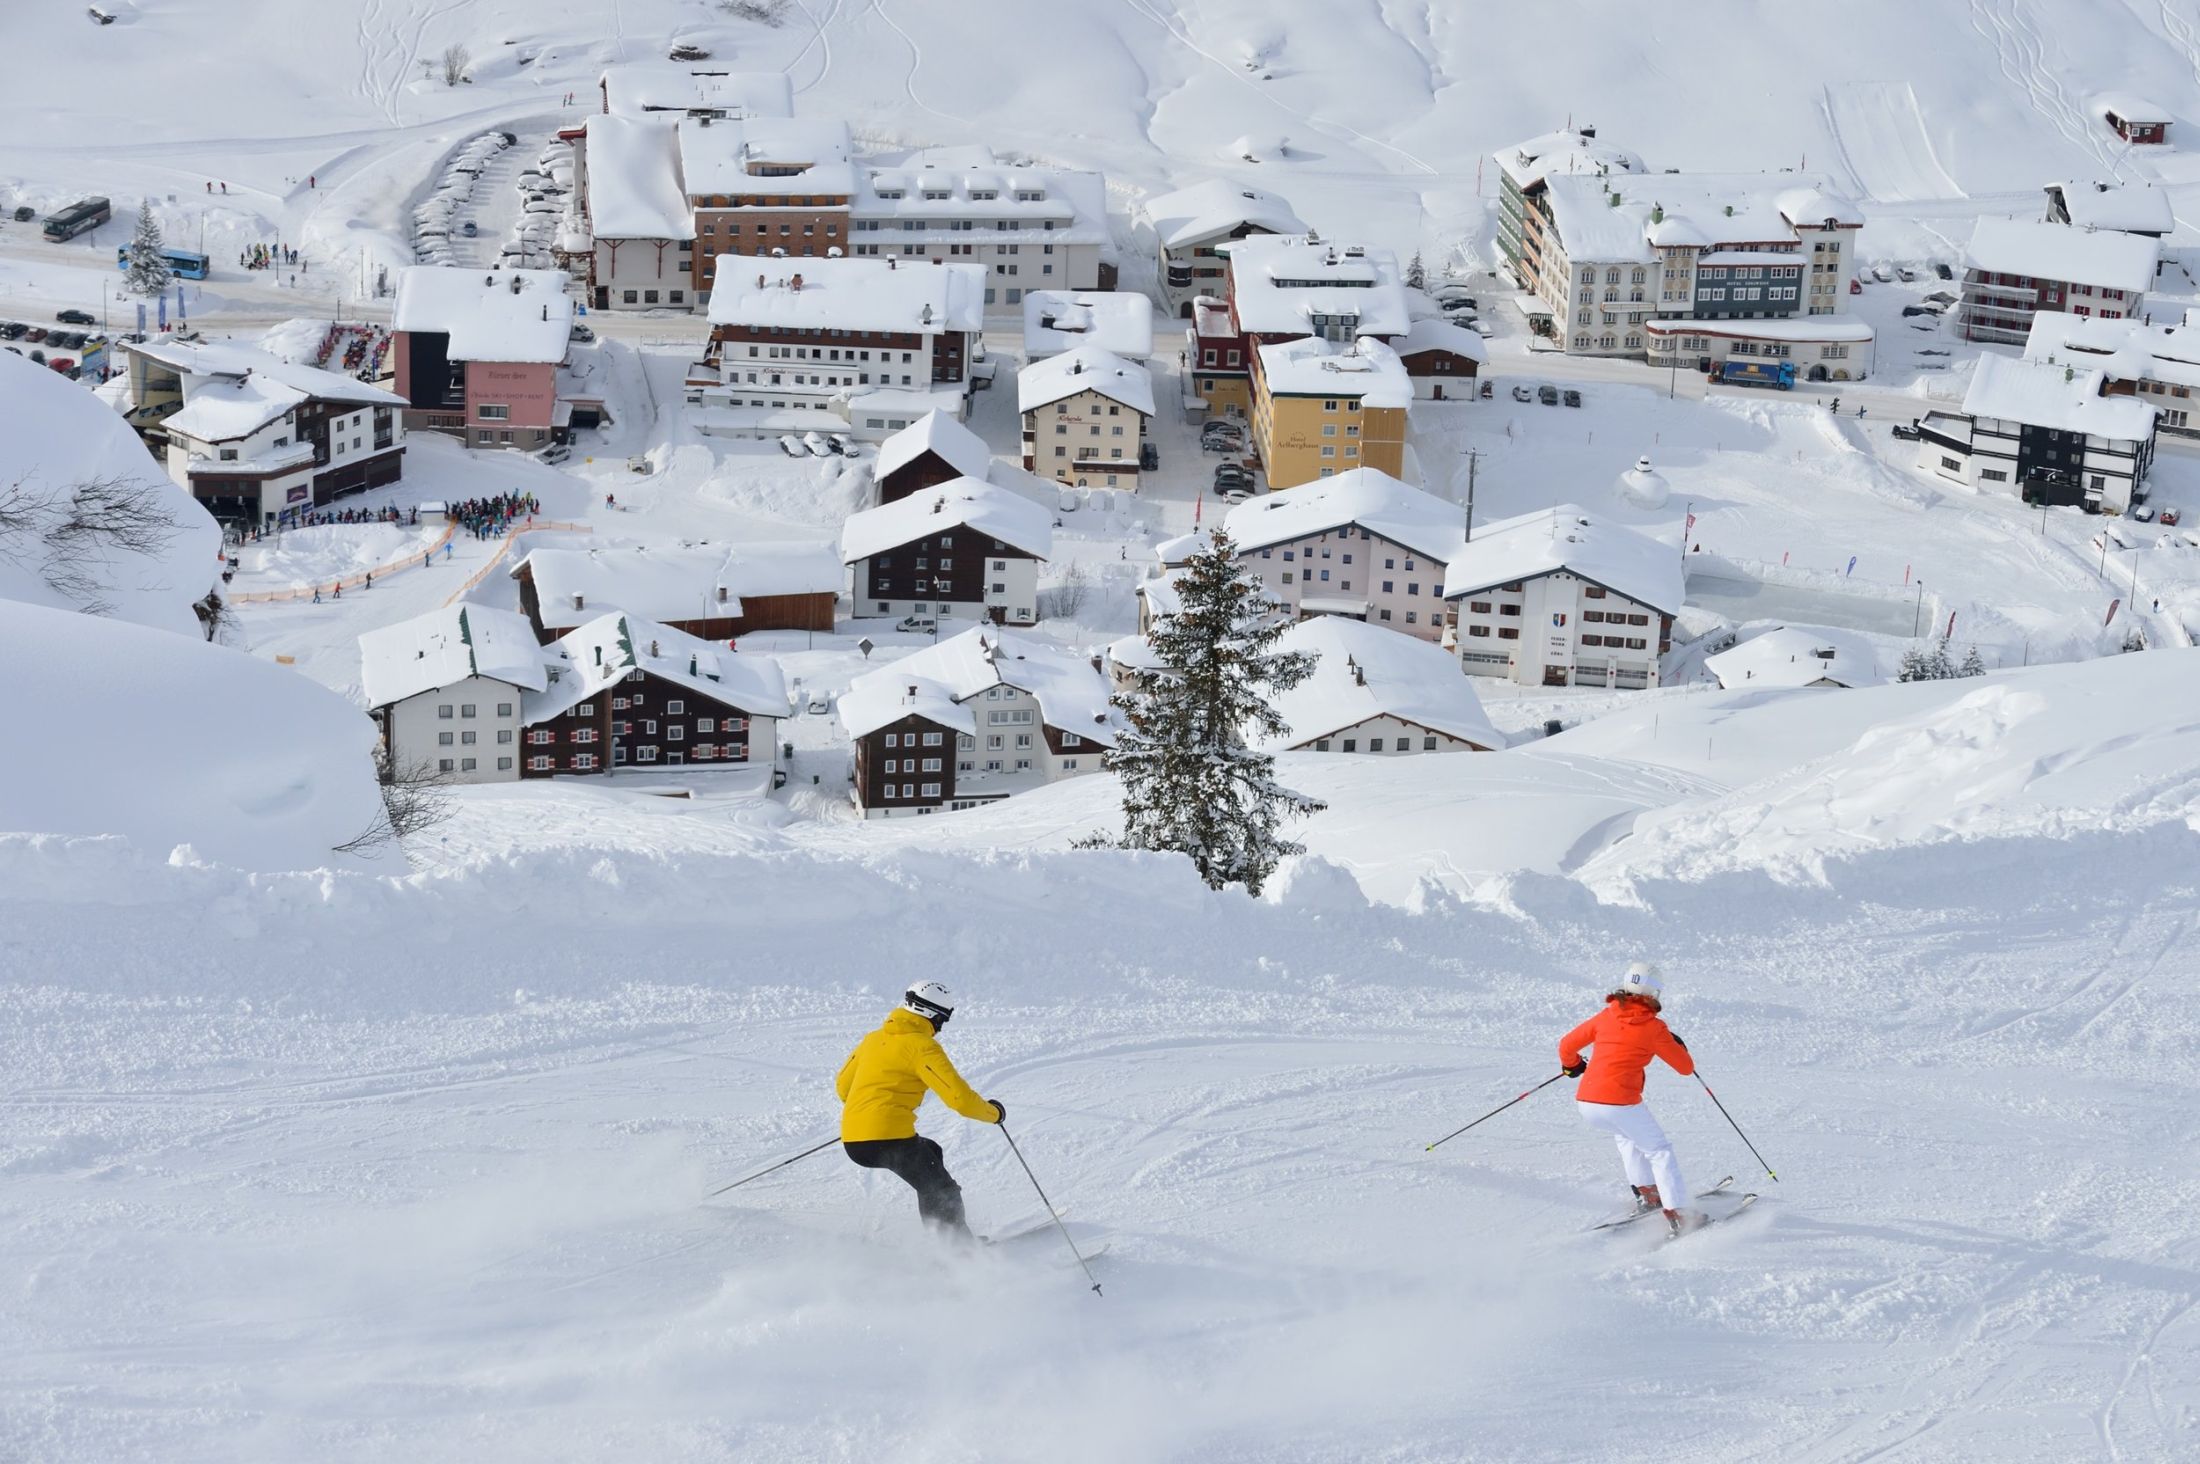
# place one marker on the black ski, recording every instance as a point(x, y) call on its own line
point(1719, 1188)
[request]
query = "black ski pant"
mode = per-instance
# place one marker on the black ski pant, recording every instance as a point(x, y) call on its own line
point(920, 1165)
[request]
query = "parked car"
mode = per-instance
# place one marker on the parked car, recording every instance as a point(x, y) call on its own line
point(1149, 457)
point(819, 704)
point(34, 334)
point(1221, 431)
point(556, 452)
point(2169, 518)
point(1213, 443)
point(1230, 475)
point(1571, 397)
point(918, 625)
point(640, 463)
point(1913, 310)
point(840, 445)
point(1547, 394)
point(791, 445)
point(1236, 493)
point(580, 333)
point(76, 317)
point(2143, 512)
point(11, 330)
point(1522, 394)
point(470, 229)
point(1941, 269)
point(1450, 295)
point(1907, 432)
point(817, 445)
point(61, 364)
point(24, 213)
point(1482, 328)
point(1458, 306)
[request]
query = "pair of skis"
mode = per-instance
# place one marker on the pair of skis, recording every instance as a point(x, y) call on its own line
point(1036, 1228)
point(1724, 1186)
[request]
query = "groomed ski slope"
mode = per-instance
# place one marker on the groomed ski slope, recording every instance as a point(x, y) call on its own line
point(338, 1167)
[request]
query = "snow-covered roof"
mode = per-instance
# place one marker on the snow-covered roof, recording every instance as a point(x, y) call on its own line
point(1366, 497)
point(1313, 367)
point(447, 645)
point(1708, 211)
point(2099, 257)
point(2064, 397)
point(1798, 655)
point(1365, 671)
point(2123, 349)
point(1062, 320)
point(634, 180)
point(1213, 209)
point(590, 658)
point(939, 190)
point(2130, 107)
point(1626, 562)
point(958, 503)
point(1087, 368)
point(938, 682)
point(1555, 153)
point(1434, 333)
point(716, 157)
point(1280, 282)
point(849, 294)
point(636, 87)
point(939, 434)
point(232, 391)
point(687, 582)
point(2133, 208)
point(513, 315)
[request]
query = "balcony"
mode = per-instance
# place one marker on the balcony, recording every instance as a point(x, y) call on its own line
point(1180, 276)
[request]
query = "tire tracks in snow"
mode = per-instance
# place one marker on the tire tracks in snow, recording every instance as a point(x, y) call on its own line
point(2022, 55)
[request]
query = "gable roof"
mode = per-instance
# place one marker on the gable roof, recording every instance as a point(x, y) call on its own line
point(1798, 655)
point(1368, 497)
point(1365, 671)
point(958, 503)
point(1529, 163)
point(1279, 282)
point(2124, 349)
point(634, 180)
point(2134, 208)
point(232, 391)
point(667, 584)
point(1622, 560)
point(937, 433)
point(938, 682)
point(1434, 333)
point(2046, 251)
point(511, 315)
point(1088, 368)
point(1310, 366)
point(1214, 208)
point(592, 657)
point(715, 157)
point(2064, 397)
point(446, 646)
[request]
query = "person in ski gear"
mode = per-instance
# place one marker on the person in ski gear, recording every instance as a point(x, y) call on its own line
point(1624, 1037)
point(881, 1087)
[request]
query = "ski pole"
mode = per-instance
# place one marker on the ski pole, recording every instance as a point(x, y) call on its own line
point(1051, 1215)
point(1736, 1127)
point(782, 1164)
point(1500, 1108)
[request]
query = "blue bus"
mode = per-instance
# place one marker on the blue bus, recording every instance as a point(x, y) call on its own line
point(187, 265)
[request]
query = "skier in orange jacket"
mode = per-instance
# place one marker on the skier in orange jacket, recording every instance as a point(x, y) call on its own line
point(1625, 1036)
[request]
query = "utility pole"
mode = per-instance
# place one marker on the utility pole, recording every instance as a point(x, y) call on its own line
point(1474, 458)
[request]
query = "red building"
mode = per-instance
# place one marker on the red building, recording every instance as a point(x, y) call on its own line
point(477, 353)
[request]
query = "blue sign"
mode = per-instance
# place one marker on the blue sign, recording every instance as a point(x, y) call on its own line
point(141, 317)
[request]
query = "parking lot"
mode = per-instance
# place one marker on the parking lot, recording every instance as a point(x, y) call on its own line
point(61, 345)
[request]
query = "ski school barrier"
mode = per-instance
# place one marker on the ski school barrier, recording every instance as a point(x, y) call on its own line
point(306, 592)
point(505, 548)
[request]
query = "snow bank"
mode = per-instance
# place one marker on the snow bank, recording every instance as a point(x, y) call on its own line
point(171, 742)
point(55, 437)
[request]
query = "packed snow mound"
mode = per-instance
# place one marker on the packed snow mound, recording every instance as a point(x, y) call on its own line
point(56, 442)
point(2110, 746)
point(168, 741)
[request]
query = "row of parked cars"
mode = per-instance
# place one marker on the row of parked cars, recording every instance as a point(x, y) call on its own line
point(817, 444)
point(1234, 482)
point(1547, 394)
point(41, 343)
point(1461, 307)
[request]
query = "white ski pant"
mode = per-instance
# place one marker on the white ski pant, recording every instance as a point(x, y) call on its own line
point(1644, 1150)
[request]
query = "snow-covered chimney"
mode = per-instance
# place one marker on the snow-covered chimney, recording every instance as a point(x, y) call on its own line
point(653, 651)
point(926, 317)
point(796, 282)
point(515, 282)
point(891, 263)
point(579, 600)
point(721, 594)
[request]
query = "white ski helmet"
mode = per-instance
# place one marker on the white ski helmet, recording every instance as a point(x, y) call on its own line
point(931, 1000)
point(1642, 980)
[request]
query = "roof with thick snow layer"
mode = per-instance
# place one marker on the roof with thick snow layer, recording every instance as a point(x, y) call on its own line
point(510, 315)
point(445, 647)
point(1213, 209)
point(937, 433)
point(232, 391)
point(1565, 152)
point(2131, 107)
point(959, 503)
point(940, 188)
point(938, 682)
point(1798, 655)
point(1313, 367)
point(633, 88)
point(1434, 333)
point(2060, 396)
point(2122, 349)
point(634, 179)
point(849, 294)
point(2128, 207)
point(1279, 282)
point(688, 582)
point(1566, 538)
point(2098, 257)
point(1062, 320)
point(715, 157)
point(1699, 210)
point(1364, 497)
point(1087, 368)
point(590, 658)
point(1363, 671)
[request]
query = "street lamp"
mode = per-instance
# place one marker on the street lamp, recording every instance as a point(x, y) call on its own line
point(1917, 612)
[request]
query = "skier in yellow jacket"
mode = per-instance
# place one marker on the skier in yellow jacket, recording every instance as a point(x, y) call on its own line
point(882, 1085)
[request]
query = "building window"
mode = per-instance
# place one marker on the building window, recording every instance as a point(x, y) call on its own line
point(488, 413)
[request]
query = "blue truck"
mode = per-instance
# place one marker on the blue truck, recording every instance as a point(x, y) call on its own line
point(1779, 374)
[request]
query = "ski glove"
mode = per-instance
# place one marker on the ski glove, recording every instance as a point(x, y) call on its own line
point(1000, 1110)
point(1576, 1070)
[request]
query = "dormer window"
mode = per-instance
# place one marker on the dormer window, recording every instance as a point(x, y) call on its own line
point(984, 195)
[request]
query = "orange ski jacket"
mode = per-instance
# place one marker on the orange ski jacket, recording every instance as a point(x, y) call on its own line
point(885, 1080)
point(1626, 1035)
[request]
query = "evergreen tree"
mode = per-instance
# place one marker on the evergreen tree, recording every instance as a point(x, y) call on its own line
point(1417, 273)
point(1190, 781)
point(1938, 665)
point(149, 271)
point(1913, 666)
point(1973, 664)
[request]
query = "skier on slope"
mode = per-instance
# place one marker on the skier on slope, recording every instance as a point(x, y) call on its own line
point(881, 1087)
point(1625, 1036)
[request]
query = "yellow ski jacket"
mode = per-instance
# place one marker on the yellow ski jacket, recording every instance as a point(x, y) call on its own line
point(884, 1080)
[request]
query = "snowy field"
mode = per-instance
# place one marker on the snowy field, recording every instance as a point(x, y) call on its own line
point(408, 1154)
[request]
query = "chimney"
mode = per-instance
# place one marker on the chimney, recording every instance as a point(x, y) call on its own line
point(579, 601)
point(546, 310)
point(515, 282)
point(599, 654)
point(721, 594)
point(489, 282)
point(890, 264)
point(927, 316)
point(653, 651)
point(798, 284)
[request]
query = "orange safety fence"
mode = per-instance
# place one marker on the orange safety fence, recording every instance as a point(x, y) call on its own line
point(530, 527)
point(411, 560)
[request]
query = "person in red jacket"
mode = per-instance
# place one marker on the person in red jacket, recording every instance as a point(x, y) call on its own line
point(1623, 1038)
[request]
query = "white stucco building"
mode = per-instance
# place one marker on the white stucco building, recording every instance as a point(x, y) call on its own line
point(1561, 598)
point(1084, 417)
point(448, 690)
